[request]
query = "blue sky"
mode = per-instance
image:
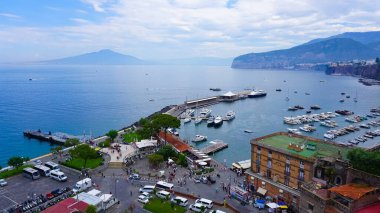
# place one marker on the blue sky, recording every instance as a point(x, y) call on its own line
point(161, 29)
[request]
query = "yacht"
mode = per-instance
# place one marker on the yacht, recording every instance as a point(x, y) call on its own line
point(218, 121)
point(248, 131)
point(198, 120)
point(205, 113)
point(307, 128)
point(229, 116)
point(187, 120)
point(257, 93)
point(294, 131)
point(199, 138)
point(329, 136)
point(210, 121)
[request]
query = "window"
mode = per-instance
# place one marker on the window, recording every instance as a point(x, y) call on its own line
point(286, 182)
point(299, 185)
point(258, 150)
point(269, 153)
point(287, 159)
point(269, 164)
point(301, 175)
point(287, 169)
point(310, 207)
point(269, 174)
point(301, 164)
point(257, 168)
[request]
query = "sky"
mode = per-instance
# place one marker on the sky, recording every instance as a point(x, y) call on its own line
point(32, 30)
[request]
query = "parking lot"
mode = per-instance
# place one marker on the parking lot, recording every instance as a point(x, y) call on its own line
point(20, 188)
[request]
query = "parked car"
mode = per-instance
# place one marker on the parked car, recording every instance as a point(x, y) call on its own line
point(197, 180)
point(147, 195)
point(38, 162)
point(143, 199)
point(134, 176)
point(3, 182)
point(197, 207)
point(204, 180)
point(211, 179)
point(180, 201)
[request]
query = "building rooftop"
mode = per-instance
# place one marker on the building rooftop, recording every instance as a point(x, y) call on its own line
point(176, 142)
point(303, 146)
point(352, 191)
point(67, 206)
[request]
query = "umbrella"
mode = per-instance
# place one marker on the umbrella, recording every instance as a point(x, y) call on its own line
point(273, 205)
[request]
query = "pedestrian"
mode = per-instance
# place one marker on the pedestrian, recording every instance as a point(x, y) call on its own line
point(131, 193)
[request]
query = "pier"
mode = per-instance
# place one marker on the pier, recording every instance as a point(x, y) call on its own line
point(217, 146)
point(54, 138)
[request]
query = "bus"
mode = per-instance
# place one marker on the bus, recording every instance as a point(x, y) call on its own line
point(31, 173)
point(164, 185)
point(43, 170)
point(52, 165)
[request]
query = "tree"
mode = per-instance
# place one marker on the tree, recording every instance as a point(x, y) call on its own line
point(155, 159)
point(367, 161)
point(71, 142)
point(112, 134)
point(203, 208)
point(165, 121)
point(83, 151)
point(16, 161)
point(57, 149)
point(167, 151)
point(182, 160)
point(91, 209)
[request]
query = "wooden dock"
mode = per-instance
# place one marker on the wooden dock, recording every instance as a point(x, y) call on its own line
point(215, 147)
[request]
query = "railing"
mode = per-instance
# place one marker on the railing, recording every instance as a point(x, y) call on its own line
point(338, 205)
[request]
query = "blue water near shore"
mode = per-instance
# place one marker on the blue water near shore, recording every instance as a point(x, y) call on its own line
point(95, 99)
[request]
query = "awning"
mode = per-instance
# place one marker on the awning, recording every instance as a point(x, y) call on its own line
point(236, 165)
point(261, 191)
point(273, 205)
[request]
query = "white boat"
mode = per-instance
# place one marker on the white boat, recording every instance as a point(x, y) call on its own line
point(294, 131)
point(329, 136)
point(218, 121)
point(229, 116)
point(187, 120)
point(205, 113)
point(257, 93)
point(198, 120)
point(307, 128)
point(210, 121)
point(248, 131)
point(199, 138)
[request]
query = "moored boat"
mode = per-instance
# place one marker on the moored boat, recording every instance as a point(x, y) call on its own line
point(229, 116)
point(199, 138)
point(257, 93)
point(218, 121)
point(210, 121)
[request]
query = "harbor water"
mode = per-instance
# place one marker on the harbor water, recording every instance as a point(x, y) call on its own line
point(94, 99)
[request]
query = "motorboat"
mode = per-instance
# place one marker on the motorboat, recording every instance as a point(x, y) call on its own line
point(187, 120)
point(205, 113)
point(229, 116)
point(210, 121)
point(278, 90)
point(315, 107)
point(329, 136)
point(215, 89)
point(198, 120)
point(307, 128)
point(257, 93)
point(218, 121)
point(248, 131)
point(199, 138)
point(294, 131)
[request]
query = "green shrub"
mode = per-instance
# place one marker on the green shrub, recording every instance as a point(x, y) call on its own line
point(13, 172)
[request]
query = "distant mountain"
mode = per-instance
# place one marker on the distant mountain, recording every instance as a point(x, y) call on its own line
point(206, 61)
point(102, 57)
point(332, 49)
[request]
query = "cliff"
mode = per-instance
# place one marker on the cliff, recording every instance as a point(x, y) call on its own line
point(371, 71)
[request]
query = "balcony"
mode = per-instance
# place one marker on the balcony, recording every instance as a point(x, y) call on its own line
point(302, 166)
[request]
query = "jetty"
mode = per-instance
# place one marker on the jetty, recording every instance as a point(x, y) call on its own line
point(215, 147)
point(54, 138)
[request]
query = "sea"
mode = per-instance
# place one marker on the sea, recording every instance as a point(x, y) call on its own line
point(91, 100)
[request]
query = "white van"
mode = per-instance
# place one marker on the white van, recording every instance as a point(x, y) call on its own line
point(57, 175)
point(163, 194)
point(82, 185)
point(43, 170)
point(208, 203)
point(147, 188)
point(180, 201)
point(197, 207)
point(52, 165)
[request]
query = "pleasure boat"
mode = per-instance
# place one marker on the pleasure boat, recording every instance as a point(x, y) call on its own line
point(205, 113)
point(218, 121)
point(307, 128)
point(256, 94)
point(248, 131)
point(199, 138)
point(294, 131)
point(229, 116)
point(210, 121)
point(187, 120)
point(198, 120)
point(329, 136)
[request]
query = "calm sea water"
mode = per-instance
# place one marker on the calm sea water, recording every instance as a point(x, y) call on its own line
point(89, 99)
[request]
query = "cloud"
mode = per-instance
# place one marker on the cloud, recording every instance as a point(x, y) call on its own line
point(225, 28)
point(10, 15)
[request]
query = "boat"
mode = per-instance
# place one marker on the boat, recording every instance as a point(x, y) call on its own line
point(151, 99)
point(364, 126)
point(278, 90)
point(329, 136)
point(299, 107)
point(187, 120)
point(257, 93)
point(344, 112)
point(218, 121)
point(210, 121)
point(215, 89)
point(347, 96)
point(248, 131)
point(341, 100)
point(229, 116)
point(198, 120)
point(306, 93)
point(205, 113)
point(199, 138)
point(308, 111)
point(292, 108)
point(342, 93)
point(294, 131)
point(315, 107)
point(307, 128)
